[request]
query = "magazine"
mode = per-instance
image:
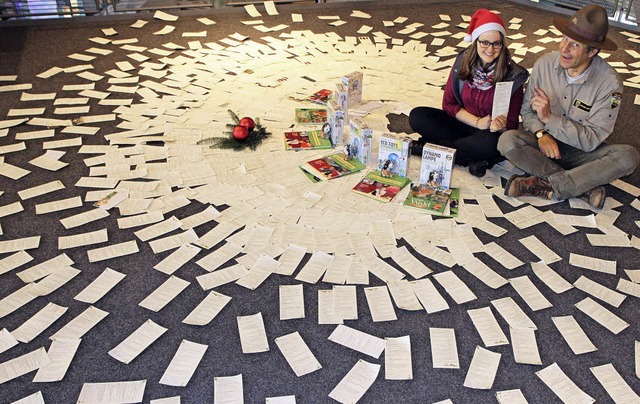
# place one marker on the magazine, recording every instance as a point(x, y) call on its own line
point(434, 200)
point(306, 140)
point(380, 187)
point(310, 116)
point(320, 97)
point(332, 166)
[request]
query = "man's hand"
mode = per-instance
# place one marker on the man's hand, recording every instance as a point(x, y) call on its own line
point(540, 104)
point(549, 147)
point(499, 123)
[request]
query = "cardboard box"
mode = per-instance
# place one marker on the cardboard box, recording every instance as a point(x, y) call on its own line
point(437, 165)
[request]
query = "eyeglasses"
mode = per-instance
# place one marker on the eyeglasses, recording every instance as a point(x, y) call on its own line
point(494, 45)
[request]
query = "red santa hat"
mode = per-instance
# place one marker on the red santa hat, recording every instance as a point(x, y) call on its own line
point(482, 21)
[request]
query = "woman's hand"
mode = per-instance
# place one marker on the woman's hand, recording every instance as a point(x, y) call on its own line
point(498, 124)
point(484, 122)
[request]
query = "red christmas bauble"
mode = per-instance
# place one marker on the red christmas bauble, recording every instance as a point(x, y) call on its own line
point(247, 123)
point(240, 132)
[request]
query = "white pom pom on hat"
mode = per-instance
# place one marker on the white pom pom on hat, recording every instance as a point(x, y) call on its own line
point(482, 21)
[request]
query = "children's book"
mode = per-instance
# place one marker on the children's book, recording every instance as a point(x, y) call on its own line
point(434, 200)
point(332, 166)
point(437, 165)
point(306, 140)
point(310, 116)
point(320, 97)
point(380, 187)
point(393, 154)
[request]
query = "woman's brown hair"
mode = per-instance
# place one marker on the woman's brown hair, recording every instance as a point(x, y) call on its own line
point(471, 59)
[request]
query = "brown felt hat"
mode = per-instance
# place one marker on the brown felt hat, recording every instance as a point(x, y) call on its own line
point(588, 25)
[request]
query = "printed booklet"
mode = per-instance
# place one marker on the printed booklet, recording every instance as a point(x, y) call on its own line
point(434, 200)
point(306, 140)
point(331, 166)
point(310, 116)
point(380, 187)
point(320, 97)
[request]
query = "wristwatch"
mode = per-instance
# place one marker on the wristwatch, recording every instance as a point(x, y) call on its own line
point(541, 133)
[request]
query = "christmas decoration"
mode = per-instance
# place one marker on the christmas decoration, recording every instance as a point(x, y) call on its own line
point(240, 134)
point(248, 123)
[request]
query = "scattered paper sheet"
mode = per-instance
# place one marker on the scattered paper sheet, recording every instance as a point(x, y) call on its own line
point(525, 346)
point(183, 364)
point(512, 313)
point(511, 397)
point(599, 291)
point(253, 336)
point(562, 386)
point(358, 340)
point(530, 293)
point(137, 342)
point(601, 315)
point(550, 278)
point(164, 294)
point(208, 309)
point(61, 353)
point(35, 398)
point(380, 305)
point(114, 392)
point(24, 364)
point(14, 261)
point(113, 251)
point(291, 301)
point(595, 264)
point(6, 340)
point(540, 250)
point(100, 286)
point(397, 359)
point(297, 354)
point(444, 350)
point(228, 389)
point(356, 382)
point(39, 322)
point(428, 296)
point(455, 287)
point(573, 334)
point(488, 327)
point(614, 384)
point(81, 324)
point(482, 370)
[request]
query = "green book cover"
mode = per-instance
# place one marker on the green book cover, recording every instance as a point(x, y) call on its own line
point(307, 140)
point(433, 200)
point(332, 166)
point(379, 187)
point(310, 116)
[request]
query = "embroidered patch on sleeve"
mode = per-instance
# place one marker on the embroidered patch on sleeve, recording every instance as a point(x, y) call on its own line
point(616, 99)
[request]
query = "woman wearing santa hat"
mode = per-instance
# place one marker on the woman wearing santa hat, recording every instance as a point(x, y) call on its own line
point(465, 122)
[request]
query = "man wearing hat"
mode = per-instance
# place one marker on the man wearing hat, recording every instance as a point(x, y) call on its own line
point(570, 107)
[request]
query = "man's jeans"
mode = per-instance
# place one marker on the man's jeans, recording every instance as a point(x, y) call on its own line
point(576, 171)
